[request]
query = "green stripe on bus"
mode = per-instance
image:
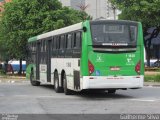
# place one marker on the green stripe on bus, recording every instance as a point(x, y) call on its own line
point(32, 39)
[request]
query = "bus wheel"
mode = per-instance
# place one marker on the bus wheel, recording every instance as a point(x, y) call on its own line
point(113, 91)
point(56, 83)
point(33, 82)
point(66, 90)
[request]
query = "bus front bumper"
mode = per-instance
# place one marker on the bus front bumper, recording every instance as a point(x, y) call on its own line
point(120, 82)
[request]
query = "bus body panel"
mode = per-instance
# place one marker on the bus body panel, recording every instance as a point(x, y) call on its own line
point(28, 70)
point(107, 82)
point(114, 64)
point(69, 66)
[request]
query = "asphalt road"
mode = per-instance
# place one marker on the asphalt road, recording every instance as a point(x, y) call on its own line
point(22, 98)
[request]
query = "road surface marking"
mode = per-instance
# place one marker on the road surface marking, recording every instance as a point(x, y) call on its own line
point(145, 100)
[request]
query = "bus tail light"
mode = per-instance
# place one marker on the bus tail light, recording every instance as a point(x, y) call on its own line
point(138, 67)
point(90, 67)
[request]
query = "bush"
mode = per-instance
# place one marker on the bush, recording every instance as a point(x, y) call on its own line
point(2, 72)
point(152, 78)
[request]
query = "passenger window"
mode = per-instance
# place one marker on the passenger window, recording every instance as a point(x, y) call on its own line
point(41, 42)
point(74, 40)
point(44, 45)
point(69, 41)
point(57, 42)
point(77, 40)
point(53, 47)
point(33, 47)
point(62, 42)
point(54, 42)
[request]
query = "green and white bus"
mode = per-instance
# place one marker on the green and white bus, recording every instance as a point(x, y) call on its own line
point(101, 55)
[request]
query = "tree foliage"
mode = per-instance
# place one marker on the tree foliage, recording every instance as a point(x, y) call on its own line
point(145, 11)
point(22, 19)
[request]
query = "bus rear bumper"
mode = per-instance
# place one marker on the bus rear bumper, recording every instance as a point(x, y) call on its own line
point(120, 82)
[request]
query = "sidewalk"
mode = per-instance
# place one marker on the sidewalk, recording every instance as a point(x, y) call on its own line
point(152, 84)
point(22, 79)
point(13, 79)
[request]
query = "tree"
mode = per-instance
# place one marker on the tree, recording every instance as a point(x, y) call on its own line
point(145, 11)
point(23, 19)
point(4, 56)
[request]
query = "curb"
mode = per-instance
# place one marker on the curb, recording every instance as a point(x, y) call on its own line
point(5, 78)
point(24, 80)
point(13, 81)
point(152, 84)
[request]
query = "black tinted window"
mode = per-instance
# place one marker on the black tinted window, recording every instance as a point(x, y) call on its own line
point(69, 41)
point(62, 42)
point(109, 33)
point(77, 40)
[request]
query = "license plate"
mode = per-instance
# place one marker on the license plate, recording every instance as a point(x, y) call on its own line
point(114, 68)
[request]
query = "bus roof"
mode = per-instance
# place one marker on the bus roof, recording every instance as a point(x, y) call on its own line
point(71, 28)
point(115, 21)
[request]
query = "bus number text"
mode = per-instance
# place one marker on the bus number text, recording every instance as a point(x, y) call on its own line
point(68, 64)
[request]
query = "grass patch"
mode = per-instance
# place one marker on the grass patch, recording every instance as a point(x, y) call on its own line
point(152, 69)
point(2, 72)
point(152, 78)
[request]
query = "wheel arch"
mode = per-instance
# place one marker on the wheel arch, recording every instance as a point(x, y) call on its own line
point(29, 69)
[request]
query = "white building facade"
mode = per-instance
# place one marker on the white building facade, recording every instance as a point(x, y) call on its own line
point(95, 8)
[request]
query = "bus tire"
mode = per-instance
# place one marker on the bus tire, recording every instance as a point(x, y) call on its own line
point(33, 82)
point(112, 91)
point(66, 90)
point(56, 83)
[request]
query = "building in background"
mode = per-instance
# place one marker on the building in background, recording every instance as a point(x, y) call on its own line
point(95, 8)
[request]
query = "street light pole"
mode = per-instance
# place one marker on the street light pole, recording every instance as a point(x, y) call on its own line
point(96, 8)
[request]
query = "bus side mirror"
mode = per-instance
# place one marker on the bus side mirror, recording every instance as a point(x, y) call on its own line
point(84, 29)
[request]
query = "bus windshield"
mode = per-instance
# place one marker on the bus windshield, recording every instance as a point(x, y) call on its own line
point(114, 33)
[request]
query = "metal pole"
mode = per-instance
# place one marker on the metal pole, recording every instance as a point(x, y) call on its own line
point(96, 8)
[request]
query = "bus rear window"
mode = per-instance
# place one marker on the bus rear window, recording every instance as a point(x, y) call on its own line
point(109, 34)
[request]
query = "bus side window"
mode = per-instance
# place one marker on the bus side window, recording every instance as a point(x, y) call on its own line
point(52, 44)
point(41, 45)
point(62, 42)
point(41, 55)
point(44, 45)
point(31, 47)
point(66, 41)
point(69, 41)
point(77, 40)
point(74, 40)
point(57, 42)
point(34, 47)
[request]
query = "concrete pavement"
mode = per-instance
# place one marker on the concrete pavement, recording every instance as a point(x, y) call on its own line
point(22, 98)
